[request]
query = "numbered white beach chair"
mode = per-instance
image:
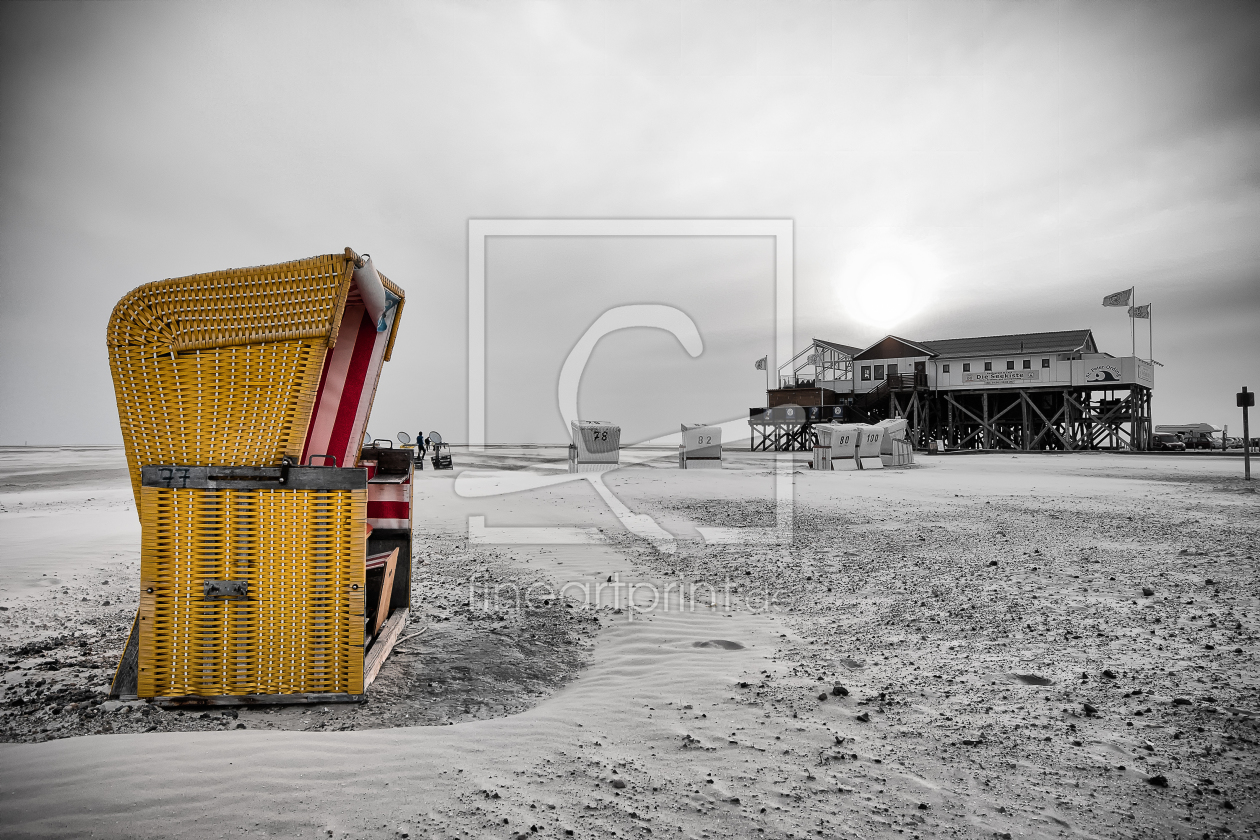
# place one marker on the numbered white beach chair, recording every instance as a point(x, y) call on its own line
point(701, 447)
point(596, 446)
point(895, 449)
point(837, 445)
point(870, 439)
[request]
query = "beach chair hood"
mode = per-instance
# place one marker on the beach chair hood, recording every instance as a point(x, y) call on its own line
point(252, 365)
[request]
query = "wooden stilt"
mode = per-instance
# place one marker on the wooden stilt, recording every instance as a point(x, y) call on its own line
point(986, 430)
point(1023, 434)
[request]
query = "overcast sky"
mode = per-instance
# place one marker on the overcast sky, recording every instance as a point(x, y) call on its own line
point(986, 167)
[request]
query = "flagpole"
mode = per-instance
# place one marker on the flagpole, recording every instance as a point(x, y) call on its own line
point(1133, 326)
point(1150, 335)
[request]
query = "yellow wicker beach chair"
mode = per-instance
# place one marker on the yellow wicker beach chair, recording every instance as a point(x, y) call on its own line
point(243, 397)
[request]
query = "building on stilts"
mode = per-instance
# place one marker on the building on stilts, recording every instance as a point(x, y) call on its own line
point(1031, 391)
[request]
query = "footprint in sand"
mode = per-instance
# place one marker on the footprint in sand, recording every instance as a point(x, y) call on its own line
point(718, 643)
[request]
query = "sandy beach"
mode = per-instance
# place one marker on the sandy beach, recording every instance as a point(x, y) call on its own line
point(988, 645)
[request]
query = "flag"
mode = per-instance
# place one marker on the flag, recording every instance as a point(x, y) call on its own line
point(761, 363)
point(1143, 311)
point(1118, 299)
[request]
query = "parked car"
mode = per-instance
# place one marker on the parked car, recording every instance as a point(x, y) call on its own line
point(1167, 443)
point(1194, 435)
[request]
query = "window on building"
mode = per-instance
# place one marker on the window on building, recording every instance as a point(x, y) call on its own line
point(1027, 364)
point(866, 373)
point(1010, 364)
point(966, 367)
point(1045, 363)
point(988, 365)
point(879, 371)
point(944, 368)
point(892, 369)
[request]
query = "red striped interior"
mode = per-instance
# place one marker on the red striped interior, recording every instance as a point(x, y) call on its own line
point(378, 560)
point(356, 376)
point(388, 510)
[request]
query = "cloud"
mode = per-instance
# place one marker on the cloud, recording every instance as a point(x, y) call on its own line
point(1040, 154)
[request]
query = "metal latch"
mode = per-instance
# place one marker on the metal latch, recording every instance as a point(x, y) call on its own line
point(225, 590)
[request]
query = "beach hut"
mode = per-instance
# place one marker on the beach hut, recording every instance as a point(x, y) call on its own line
point(275, 551)
point(701, 447)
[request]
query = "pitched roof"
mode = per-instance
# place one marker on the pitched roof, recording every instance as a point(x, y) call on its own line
point(842, 348)
point(1063, 341)
point(894, 347)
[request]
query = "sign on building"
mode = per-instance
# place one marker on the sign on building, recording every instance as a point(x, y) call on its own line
point(1001, 377)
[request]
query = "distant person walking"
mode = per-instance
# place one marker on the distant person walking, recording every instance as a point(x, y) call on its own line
point(422, 447)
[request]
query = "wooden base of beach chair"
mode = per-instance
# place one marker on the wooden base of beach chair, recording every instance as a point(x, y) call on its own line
point(124, 685)
point(255, 700)
point(384, 644)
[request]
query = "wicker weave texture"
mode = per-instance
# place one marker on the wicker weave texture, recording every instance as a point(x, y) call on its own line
point(301, 552)
point(228, 406)
point(282, 302)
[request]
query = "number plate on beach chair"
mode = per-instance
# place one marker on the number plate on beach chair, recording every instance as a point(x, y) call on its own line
point(225, 590)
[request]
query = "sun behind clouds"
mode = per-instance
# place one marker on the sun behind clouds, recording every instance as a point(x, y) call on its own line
point(888, 280)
